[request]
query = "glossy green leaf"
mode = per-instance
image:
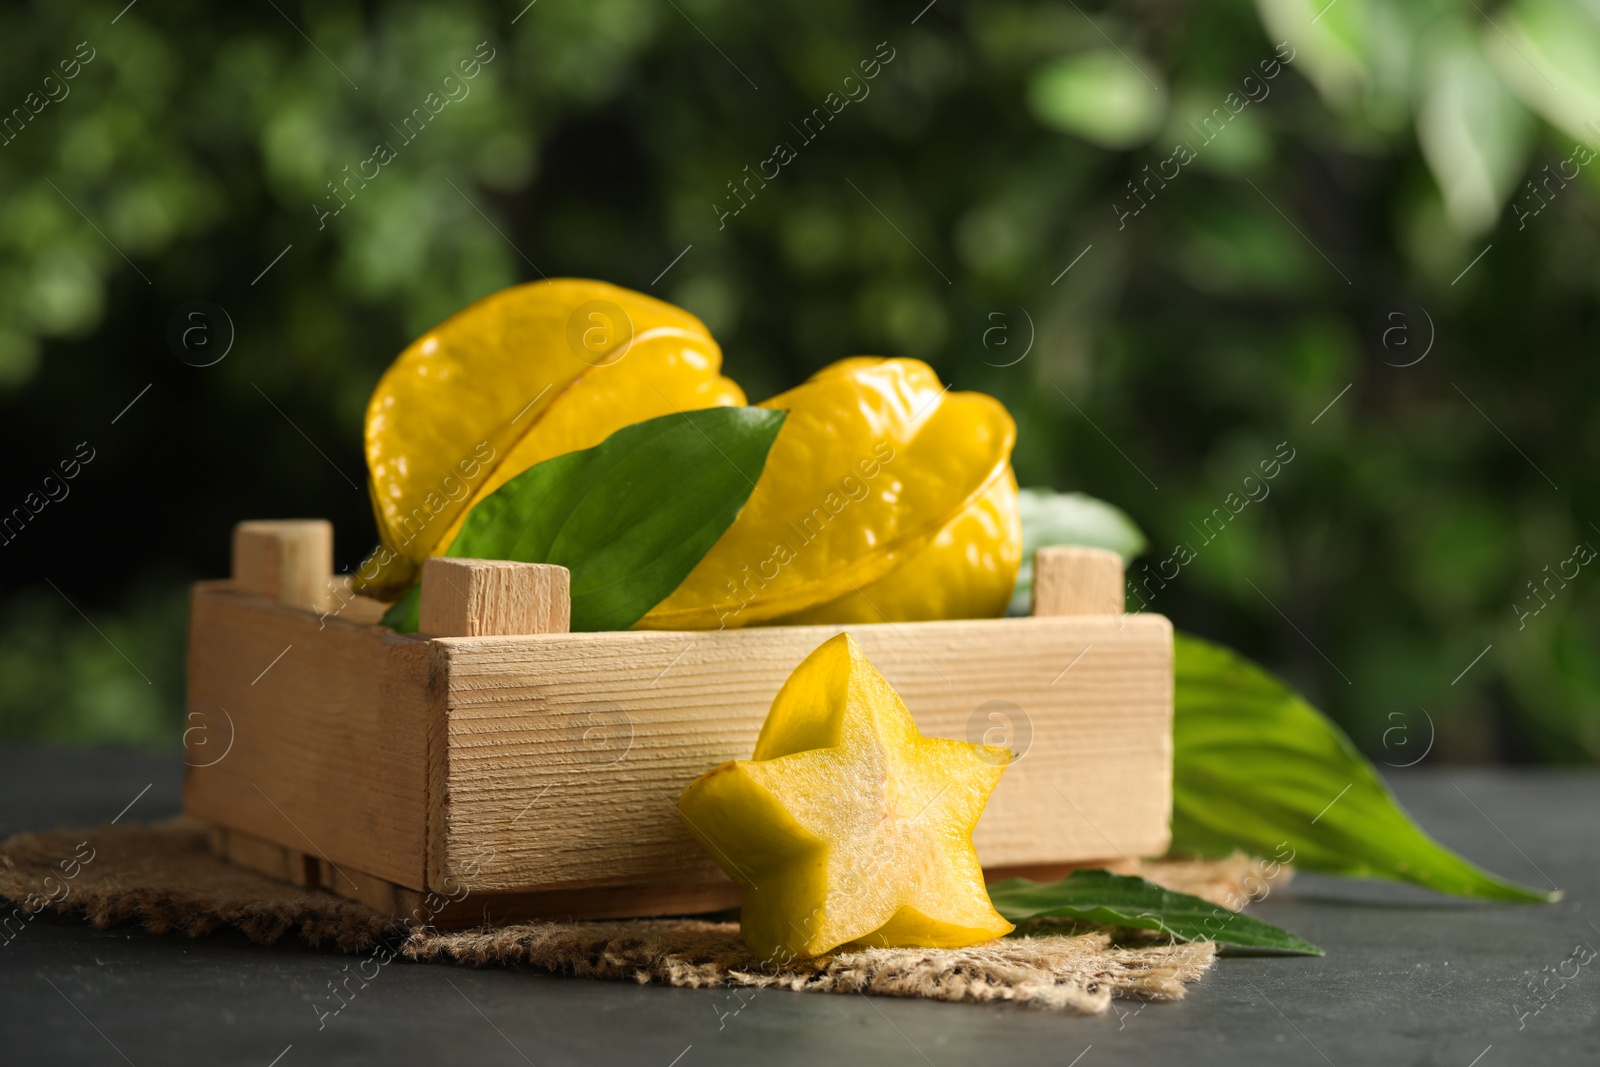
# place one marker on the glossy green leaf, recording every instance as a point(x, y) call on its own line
point(629, 517)
point(1052, 518)
point(1257, 768)
point(1122, 900)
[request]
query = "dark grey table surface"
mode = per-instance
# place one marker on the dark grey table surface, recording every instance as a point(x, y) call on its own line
point(1409, 978)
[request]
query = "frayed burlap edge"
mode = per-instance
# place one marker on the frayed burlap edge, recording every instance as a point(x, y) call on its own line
point(164, 877)
point(1080, 972)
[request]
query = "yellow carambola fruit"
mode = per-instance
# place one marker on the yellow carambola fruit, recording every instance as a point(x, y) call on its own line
point(968, 571)
point(848, 827)
point(875, 460)
point(519, 377)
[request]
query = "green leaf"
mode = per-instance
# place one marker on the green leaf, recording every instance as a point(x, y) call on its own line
point(1548, 52)
point(1257, 768)
point(1333, 45)
point(629, 517)
point(1123, 900)
point(403, 614)
point(1107, 97)
point(1474, 133)
point(1052, 518)
point(1254, 766)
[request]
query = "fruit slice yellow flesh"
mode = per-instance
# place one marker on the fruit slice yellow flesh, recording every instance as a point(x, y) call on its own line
point(848, 827)
point(873, 461)
point(522, 375)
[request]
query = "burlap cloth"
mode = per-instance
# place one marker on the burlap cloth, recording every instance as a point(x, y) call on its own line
point(166, 878)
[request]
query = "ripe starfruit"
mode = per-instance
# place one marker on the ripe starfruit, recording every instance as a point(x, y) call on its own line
point(968, 570)
point(878, 470)
point(848, 827)
point(523, 375)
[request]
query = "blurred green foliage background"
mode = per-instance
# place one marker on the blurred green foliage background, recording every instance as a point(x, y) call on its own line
point(1400, 210)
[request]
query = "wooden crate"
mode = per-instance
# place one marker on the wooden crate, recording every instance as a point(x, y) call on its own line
point(497, 767)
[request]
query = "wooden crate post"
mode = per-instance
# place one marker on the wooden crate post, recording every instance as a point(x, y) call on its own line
point(1071, 580)
point(491, 597)
point(287, 560)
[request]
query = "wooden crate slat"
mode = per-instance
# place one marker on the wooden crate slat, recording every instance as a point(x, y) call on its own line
point(518, 777)
point(463, 905)
point(329, 743)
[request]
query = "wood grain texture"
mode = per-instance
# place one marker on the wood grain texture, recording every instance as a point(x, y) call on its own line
point(565, 754)
point(265, 856)
point(347, 604)
point(1071, 580)
point(463, 906)
point(600, 902)
point(287, 560)
point(324, 724)
point(484, 597)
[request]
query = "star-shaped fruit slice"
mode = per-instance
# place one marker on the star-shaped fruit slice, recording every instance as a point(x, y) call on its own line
point(848, 827)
